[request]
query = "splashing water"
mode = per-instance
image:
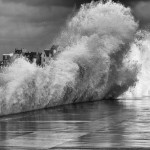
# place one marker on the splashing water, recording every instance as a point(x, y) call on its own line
point(139, 53)
point(96, 62)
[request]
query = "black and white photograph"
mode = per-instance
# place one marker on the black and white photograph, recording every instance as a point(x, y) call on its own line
point(74, 74)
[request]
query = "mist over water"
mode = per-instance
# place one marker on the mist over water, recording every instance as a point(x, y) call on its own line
point(103, 56)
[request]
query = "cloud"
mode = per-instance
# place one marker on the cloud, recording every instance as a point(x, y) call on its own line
point(66, 3)
point(31, 24)
point(142, 10)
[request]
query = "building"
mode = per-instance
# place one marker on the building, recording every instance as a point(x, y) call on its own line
point(53, 50)
point(7, 59)
point(38, 59)
point(31, 56)
point(45, 57)
point(1, 64)
point(19, 52)
point(48, 54)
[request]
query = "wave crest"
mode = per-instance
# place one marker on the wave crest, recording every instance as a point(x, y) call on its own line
point(91, 65)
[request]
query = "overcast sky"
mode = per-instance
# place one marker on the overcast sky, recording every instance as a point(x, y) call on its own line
point(33, 24)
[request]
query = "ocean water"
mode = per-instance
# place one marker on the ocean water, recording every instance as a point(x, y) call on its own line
point(91, 125)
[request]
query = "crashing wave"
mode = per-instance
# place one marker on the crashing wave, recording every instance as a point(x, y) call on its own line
point(93, 64)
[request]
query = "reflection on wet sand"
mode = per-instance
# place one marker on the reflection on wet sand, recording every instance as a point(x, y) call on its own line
point(103, 124)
